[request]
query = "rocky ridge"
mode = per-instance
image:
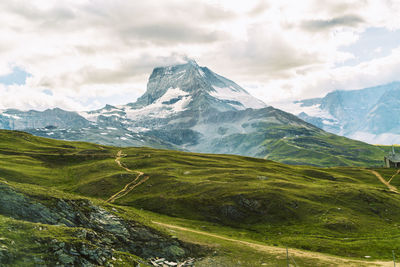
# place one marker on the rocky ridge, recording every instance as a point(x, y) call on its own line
point(99, 233)
point(363, 114)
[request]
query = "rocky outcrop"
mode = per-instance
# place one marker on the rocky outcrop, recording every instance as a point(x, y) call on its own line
point(18, 206)
point(104, 231)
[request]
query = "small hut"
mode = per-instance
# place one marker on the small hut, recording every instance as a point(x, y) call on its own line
point(392, 160)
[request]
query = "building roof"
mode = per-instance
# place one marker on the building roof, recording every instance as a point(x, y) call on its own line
point(393, 157)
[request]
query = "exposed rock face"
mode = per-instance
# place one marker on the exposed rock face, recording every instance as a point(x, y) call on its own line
point(365, 114)
point(20, 207)
point(198, 82)
point(104, 231)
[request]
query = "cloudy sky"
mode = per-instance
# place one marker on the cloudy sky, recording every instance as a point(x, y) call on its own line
point(80, 55)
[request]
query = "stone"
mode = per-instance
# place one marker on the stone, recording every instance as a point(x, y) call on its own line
point(103, 232)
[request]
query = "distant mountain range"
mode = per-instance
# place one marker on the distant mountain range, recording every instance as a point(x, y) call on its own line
point(370, 115)
point(188, 107)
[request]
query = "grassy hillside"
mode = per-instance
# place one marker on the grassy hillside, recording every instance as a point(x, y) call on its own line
point(341, 211)
point(317, 148)
point(299, 145)
point(334, 210)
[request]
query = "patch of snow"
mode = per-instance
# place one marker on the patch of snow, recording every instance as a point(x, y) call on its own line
point(160, 110)
point(93, 115)
point(236, 89)
point(15, 117)
point(137, 130)
point(105, 111)
point(89, 116)
point(123, 138)
point(103, 133)
point(232, 94)
point(202, 73)
point(111, 114)
point(111, 128)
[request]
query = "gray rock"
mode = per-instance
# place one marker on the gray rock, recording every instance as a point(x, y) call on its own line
point(107, 221)
point(18, 206)
point(102, 230)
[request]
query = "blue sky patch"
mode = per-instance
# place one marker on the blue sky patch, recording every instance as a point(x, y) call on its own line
point(47, 92)
point(373, 43)
point(17, 76)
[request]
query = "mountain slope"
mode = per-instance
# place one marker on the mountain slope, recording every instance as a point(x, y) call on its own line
point(13, 119)
point(188, 107)
point(367, 114)
point(43, 225)
point(46, 183)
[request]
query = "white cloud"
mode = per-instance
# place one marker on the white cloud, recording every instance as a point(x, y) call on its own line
point(26, 98)
point(86, 50)
point(378, 49)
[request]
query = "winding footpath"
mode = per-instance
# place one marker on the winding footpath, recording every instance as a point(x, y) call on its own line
point(328, 260)
point(391, 187)
point(391, 178)
point(140, 179)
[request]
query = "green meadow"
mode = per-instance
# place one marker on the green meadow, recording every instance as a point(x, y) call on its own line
point(341, 215)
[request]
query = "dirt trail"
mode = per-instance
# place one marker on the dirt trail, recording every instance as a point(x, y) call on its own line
point(327, 259)
point(391, 187)
point(391, 178)
point(131, 185)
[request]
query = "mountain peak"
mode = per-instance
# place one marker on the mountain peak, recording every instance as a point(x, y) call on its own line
point(185, 88)
point(196, 81)
point(191, 61)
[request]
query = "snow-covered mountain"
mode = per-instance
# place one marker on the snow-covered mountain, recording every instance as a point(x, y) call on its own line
point(14, 119)
point(177, 88)
point(188, 107)
point(371, 115)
